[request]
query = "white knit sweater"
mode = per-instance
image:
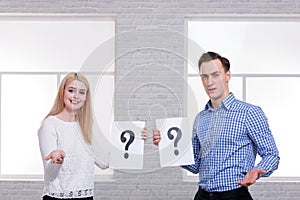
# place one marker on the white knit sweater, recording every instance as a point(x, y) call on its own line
point(74, 178)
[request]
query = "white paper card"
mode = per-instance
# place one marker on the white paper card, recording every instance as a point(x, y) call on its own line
point(175, 147)
point(127, 145)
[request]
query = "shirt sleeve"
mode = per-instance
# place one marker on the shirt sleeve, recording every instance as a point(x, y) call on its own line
point(194, 168)
point(102, 163)
point(261, 135)
point(48, 143)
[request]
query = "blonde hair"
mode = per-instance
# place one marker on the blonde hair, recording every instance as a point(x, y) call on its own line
point(84, 114)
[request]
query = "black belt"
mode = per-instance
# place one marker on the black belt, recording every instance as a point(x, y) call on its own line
point(222, 194)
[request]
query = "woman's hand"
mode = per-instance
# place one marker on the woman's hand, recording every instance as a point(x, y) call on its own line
point(56, 156)
point(145, 134)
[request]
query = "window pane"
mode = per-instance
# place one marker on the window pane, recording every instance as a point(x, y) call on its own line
point(25, 101)
point(55, 44)
point(102, 91)
point(236, 87)
point(276, 96)
point(252, 45)
point(197, 98)
point(103, 104)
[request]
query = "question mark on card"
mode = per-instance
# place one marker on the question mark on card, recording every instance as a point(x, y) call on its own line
point(178, 136)
point(123, 139)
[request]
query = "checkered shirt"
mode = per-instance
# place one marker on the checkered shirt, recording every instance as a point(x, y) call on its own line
point(226, 142)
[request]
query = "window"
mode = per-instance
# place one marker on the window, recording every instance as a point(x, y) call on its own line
point(36, 53)
point(263, 52)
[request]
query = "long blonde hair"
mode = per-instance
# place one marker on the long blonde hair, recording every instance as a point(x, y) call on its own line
point(84, 115)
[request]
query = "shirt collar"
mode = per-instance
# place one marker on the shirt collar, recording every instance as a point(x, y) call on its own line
point(226, 103)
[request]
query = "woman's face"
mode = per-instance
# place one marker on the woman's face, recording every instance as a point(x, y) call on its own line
point(74, 95)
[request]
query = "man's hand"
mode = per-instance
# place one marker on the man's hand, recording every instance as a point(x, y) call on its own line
point(156, 136)
point(251, 177)
point(56, 156)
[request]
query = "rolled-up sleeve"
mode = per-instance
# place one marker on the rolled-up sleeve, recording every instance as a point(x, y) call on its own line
point(261, 135)
point(194, 168)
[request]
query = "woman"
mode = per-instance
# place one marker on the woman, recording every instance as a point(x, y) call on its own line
point(64, 138)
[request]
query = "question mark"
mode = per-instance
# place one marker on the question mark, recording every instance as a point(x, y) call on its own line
point(123, 139)
point(170, 136)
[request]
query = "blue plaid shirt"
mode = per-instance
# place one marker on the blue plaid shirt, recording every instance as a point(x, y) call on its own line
point(226, 142)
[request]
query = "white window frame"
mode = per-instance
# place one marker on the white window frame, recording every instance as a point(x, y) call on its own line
point(187, 176)
point(109, 175)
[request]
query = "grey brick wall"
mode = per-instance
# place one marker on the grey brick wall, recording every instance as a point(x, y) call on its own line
point(150, 81)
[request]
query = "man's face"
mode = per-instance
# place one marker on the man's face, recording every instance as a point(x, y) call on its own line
point(215, 80)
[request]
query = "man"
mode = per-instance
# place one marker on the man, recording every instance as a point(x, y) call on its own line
point(227, 135)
